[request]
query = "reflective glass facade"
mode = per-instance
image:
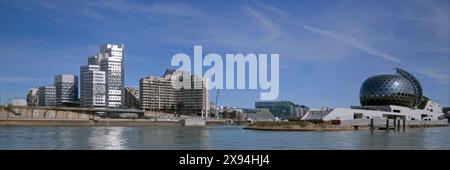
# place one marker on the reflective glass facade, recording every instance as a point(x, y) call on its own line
point(388, 90)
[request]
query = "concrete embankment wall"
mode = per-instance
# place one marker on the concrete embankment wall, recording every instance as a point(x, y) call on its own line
point(46, 117)
point(426, 123)
point(43, 122)
point(84, 122)
point(102, 122)
point(36, 113)
point(193, 122)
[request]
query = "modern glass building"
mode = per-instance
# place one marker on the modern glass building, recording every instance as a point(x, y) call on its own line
point(66, 89)
point(401, 89)
point(283, 109)
point(47, 96)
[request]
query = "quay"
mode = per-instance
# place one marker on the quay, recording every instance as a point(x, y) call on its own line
point(73, 116)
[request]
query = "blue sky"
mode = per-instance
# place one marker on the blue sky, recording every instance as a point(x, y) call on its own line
point(327, 48)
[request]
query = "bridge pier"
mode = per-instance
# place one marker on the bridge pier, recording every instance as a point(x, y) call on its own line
point(395, 123)
point(404, 124)
point(387, 123)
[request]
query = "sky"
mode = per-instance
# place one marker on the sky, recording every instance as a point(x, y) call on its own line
point(327, 48)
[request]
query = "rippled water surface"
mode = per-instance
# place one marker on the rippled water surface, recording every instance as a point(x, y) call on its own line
point(215, 137)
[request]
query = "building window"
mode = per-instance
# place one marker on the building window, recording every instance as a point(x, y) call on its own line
point(357, 116)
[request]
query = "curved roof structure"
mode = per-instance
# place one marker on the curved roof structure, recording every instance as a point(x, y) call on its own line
point(401, 89)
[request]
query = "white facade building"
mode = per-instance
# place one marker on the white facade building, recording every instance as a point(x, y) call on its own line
point(431, 112)
point(111, 61)
point(19, 102)
point(158, 94)
point(386, 96)
point(92, 86)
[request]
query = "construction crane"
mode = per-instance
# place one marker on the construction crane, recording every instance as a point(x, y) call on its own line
point(217, 103)
point(217, 97)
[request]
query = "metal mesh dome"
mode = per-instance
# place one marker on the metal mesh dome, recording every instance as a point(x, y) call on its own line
point(388, 90)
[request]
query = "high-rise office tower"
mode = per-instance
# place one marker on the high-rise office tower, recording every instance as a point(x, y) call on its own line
point(66, 89)
point(111, 61)
point(92, 86)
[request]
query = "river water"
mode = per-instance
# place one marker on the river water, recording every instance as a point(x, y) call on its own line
point(215, 138)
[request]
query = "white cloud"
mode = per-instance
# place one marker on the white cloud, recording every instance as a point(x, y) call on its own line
point(273, 31)
point(435, 75)
point(353, 42)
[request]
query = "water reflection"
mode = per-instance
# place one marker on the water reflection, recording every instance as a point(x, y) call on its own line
point(64, 139)
point(186, 138)
point(108, 138)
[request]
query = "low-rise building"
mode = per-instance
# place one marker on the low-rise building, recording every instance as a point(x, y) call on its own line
point(19, 102)
point(132, 98)
point(258, 115)
point(431, 112)
point(32, 97)
point(446, 110)
point(283, 109)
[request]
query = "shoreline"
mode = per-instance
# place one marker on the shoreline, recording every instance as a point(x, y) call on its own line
point(98, 122)
point(333, 129)
point(307, 126)
point(260, 126)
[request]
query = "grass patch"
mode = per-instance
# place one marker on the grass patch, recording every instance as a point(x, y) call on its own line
point(272, 124)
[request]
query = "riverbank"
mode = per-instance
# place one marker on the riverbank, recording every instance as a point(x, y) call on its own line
point(295, 126)
point(327, 126)
point(100, 122)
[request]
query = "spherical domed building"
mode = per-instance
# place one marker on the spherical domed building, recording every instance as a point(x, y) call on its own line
point(386, 97)
point(401, 89)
